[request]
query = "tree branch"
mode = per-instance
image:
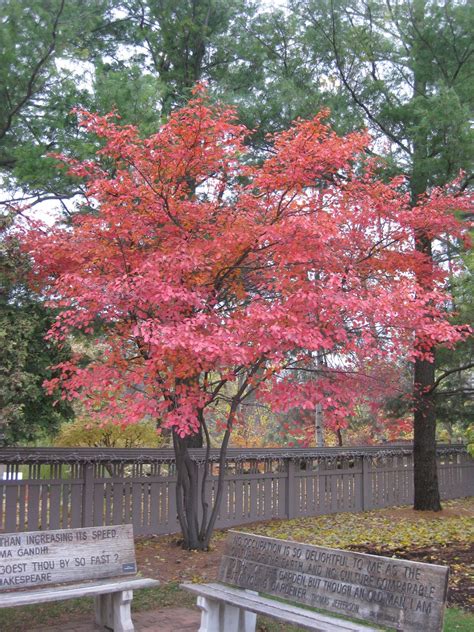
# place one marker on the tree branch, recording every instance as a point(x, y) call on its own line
point(445, 374)
point(34, 74)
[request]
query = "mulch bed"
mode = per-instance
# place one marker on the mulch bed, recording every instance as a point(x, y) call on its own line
point(458, 556)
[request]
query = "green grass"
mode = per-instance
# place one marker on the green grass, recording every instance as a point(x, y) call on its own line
point(457, 620)
point(27, 617)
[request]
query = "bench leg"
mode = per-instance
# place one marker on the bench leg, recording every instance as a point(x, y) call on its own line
point(249, 618)
point(104, 619)
point(220, 617)
point(112, 611)
point(210, 611)
point(122, 614)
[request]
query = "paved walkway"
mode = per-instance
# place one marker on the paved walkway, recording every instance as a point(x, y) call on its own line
point(162, 620)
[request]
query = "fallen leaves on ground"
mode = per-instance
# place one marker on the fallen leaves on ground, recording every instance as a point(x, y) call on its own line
point(380, 529)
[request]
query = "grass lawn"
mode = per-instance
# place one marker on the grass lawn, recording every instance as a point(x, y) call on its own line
point(442, 538)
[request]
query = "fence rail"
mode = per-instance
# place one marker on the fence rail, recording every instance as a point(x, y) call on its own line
point(65, 488)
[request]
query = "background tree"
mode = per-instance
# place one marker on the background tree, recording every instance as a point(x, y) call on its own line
point(181, 43)
point(454, 392)
point(27, 411)
point(139, 57)
point(213, 279)
point(407, 67)
point(38, 87)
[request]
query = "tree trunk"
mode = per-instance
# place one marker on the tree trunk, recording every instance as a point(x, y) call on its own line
point(190, 491)
point(425, 469)
point(425, 473)
point(318, 411)
point(427, 497)
point(191, 487)
point(187, 493)
point(195, 440)
point(424, 420)
point(191, 441)
point(318, 422)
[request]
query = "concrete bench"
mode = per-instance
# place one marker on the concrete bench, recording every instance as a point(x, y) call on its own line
point(91, 562)
point(396, 594)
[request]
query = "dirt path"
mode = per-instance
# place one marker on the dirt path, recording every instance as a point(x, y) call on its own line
point(162, 620)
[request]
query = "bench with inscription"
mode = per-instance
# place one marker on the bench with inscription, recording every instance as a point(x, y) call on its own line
point(100, 561)
point(396, 594)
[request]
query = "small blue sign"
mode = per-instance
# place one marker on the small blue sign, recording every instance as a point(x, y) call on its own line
point(130, 567)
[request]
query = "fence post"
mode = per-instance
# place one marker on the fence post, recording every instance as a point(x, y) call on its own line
point(465, 467)
point(291, 490)
point(200, 465)
point(87, 494)
point(11, 506)
point(366, 492)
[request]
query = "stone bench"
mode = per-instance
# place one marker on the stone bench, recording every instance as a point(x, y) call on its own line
point(393, 593)
point(91, 562)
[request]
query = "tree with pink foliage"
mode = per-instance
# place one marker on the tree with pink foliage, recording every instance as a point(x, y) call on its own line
point(213, 277)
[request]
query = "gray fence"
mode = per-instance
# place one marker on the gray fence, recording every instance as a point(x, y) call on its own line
point(65, 488)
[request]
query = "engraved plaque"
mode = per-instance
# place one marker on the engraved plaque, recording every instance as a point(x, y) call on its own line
point(399, 594)
point(46, 557)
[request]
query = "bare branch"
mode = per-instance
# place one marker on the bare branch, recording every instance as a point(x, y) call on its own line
point(449, 372)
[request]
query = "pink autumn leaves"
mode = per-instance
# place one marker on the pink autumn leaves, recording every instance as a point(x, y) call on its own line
point(196, 267)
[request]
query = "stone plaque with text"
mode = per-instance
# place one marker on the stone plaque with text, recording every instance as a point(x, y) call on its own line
point(398, 594)
point(45, 557)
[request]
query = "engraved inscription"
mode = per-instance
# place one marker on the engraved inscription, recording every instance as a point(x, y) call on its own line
point(44, 557)
point(391, 592)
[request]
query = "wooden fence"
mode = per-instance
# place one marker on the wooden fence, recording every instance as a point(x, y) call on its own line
point(66, 488)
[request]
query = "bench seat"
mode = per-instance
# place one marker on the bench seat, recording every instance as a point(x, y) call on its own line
point(255, 603)
point(71, 591)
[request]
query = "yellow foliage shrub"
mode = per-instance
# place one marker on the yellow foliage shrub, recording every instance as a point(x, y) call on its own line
point(87, 433)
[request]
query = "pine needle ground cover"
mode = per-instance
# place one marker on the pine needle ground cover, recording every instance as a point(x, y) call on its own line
point(439, 538)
